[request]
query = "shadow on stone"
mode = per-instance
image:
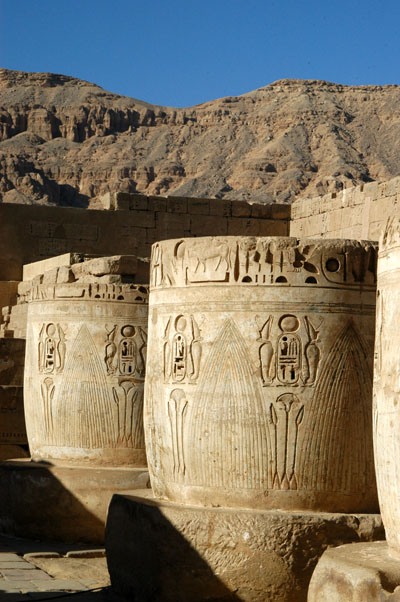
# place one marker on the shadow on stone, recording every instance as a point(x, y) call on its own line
point(149, 560)
point(59, 503)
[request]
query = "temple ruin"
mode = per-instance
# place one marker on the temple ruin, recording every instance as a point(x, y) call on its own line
point(197, 378)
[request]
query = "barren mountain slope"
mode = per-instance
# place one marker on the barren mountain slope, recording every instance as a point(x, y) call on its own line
point(66, 141)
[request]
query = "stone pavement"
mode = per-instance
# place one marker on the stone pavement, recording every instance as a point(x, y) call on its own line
point(41, 571)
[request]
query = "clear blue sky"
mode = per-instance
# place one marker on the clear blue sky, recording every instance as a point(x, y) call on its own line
point(182, 52)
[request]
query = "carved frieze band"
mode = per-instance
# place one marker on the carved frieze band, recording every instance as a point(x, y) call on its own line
point(261, 261)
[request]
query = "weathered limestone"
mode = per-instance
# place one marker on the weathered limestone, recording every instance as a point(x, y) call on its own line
point(259, 378)
point(257, 419)
point(161, 551)
point(85, 366)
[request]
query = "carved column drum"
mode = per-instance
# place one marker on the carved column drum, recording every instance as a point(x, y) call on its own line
point(84, 373)
point(387, 383)
point(259, 387)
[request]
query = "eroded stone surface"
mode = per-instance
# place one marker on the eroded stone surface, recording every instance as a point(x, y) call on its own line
point(360, 572)
point(260, 373)
point(192, 553)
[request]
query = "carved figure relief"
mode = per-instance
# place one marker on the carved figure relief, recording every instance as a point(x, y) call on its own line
point(181, 350)
point(177, 406)
point(128, 398)
point(125, 351)
point(286, 416)
point(227, 419)
point(47, 390)
point(51, 349)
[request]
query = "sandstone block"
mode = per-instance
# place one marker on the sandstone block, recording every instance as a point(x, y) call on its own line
point(359, 572)
point(211, 224)
point(177, 204)
point(199, 206)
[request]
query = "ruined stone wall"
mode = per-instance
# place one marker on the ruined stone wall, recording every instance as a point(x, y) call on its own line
point(32, 233)
point(360, 212)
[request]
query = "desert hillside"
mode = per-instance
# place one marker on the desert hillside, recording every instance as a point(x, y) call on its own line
point(66, 141)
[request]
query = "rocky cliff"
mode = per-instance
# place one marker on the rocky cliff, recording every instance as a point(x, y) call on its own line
point(66, 141)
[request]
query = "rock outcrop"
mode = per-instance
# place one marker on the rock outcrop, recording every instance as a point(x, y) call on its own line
point(65, 141)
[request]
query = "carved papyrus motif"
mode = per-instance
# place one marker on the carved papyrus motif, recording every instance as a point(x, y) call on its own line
point(128, 398)
point(344, 391)
point(51, 349)
point(177, 406)
point(181, 350)
point(286, 416)
point(83, 404)
point(47, 390)
point(227, 419)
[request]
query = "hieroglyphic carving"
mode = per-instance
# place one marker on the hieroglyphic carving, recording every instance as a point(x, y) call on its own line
point(263, 260)
point(47, 390)
point(286, 356)
point(312, 353)
point(231, 448)
point(181, 350)
point(51, 349)
point(176, 408)
point(126, 356)
point(344, 390)
point(129, 402)
point(286, 415)
point(266, 353)
point(110, 349)
point(288, 351)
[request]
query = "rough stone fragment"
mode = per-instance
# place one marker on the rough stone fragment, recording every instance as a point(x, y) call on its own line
point(193, 553)
point(358, 572)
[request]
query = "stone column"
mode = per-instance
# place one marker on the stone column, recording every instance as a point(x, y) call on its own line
point(372, 571)
point(259, 398)
point(84, 378)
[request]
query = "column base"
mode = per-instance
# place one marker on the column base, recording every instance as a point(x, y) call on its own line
point(166, 552)
point(61, 503)
point(360, 572)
